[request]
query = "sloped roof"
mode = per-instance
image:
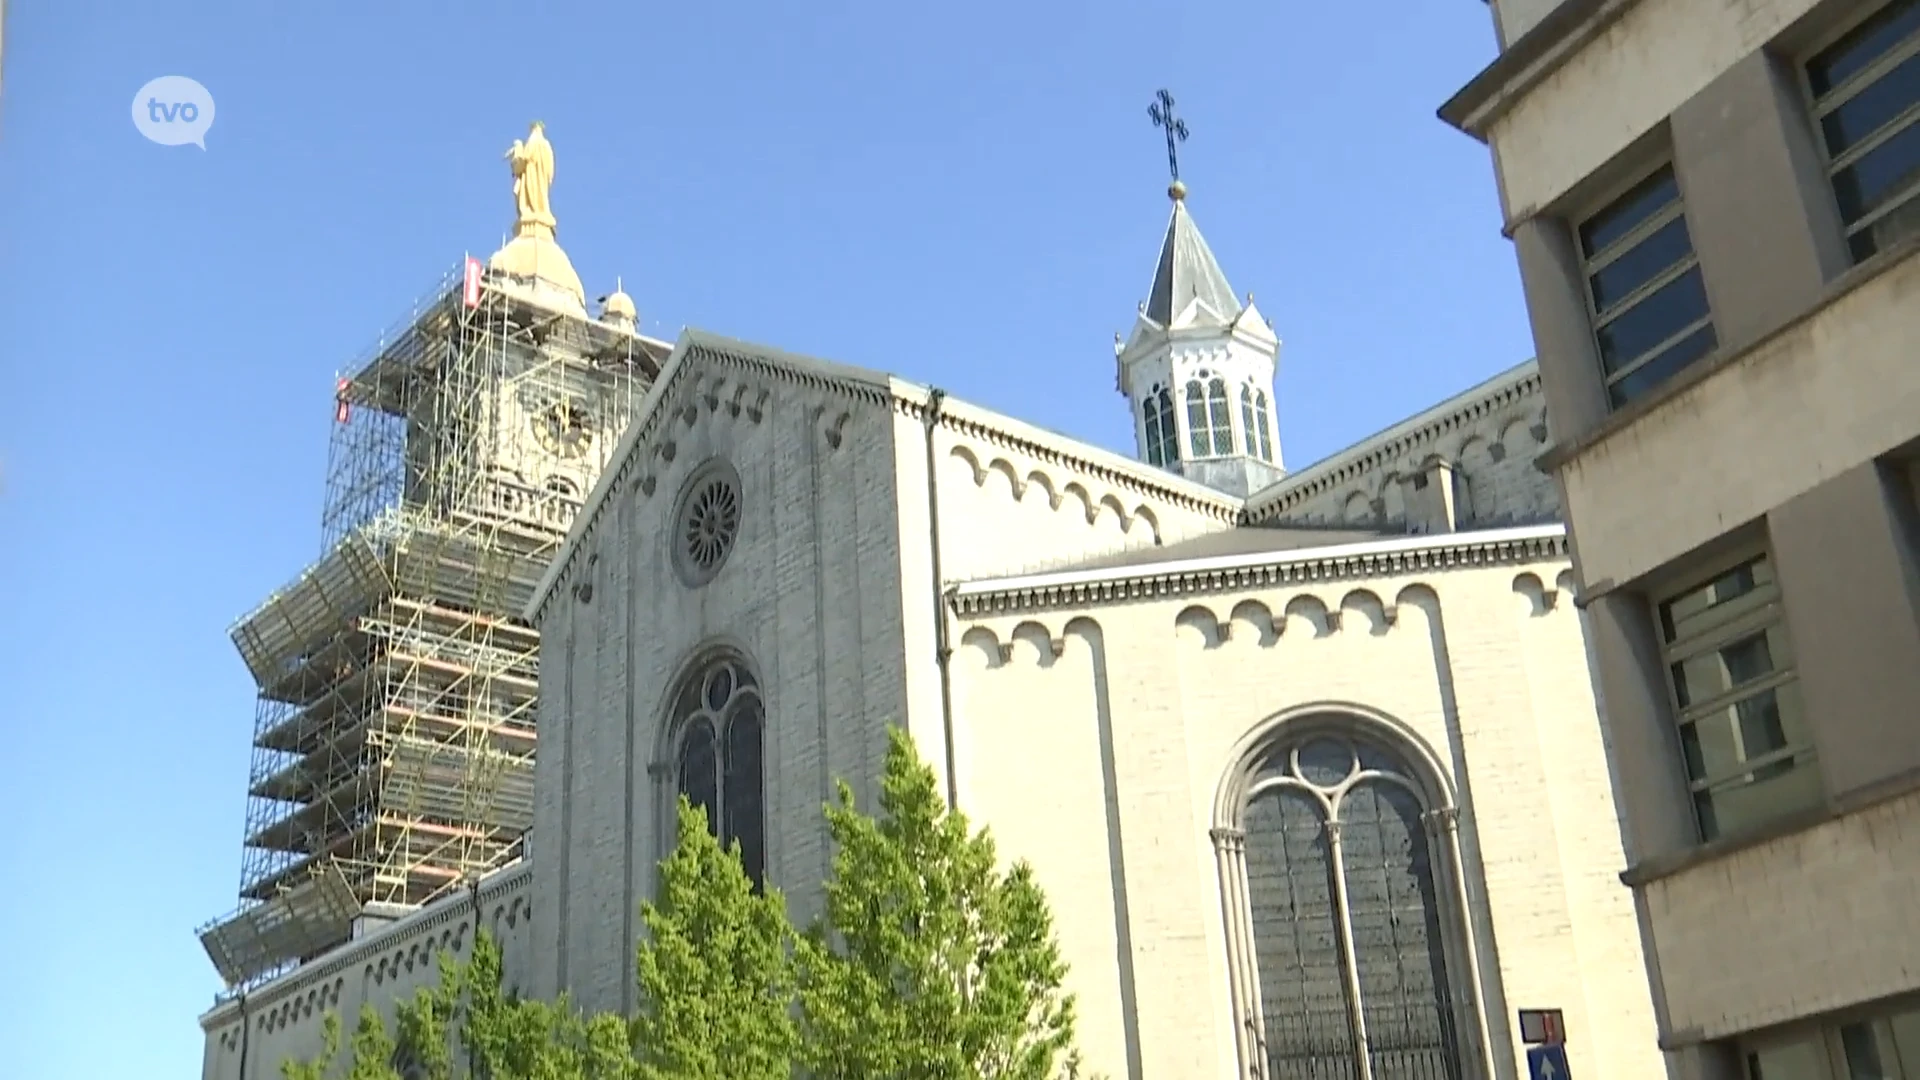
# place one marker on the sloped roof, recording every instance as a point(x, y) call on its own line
point(1187, 271)
point(1240, 540)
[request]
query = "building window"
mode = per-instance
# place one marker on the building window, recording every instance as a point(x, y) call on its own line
point(1644, 289)
point(1885, 1046)
point(1209, 419)
point(1161, 438)
point(1265, 430)
point(1866, 96)
point(1344, 915)
point(1253, 416)
point(720, 723)
point(1743, 736)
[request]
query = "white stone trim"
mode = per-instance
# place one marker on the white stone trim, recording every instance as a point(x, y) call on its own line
point(1233, 573)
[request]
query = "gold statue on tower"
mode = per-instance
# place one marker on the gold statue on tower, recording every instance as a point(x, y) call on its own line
point(532, 163)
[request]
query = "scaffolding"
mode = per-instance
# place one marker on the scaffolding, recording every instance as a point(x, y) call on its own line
point(394, 732)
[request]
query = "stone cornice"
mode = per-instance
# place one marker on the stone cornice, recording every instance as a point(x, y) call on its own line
point(1070, 589)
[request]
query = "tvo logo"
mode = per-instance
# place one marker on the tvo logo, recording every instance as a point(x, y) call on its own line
point(174, 110)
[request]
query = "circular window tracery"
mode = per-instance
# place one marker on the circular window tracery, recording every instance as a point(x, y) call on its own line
point(707, 522)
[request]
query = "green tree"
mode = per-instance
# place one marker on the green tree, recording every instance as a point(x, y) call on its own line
point(714, 972)
point(372, 1057)
point(930, 964)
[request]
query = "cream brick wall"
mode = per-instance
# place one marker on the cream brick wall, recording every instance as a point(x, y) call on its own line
point(1621, 86)
point(1715, 448)
point(1816, 921)
point(1106, 762)
point(283, 1019)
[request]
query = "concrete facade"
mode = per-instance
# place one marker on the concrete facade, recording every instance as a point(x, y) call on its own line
point(1783, 943)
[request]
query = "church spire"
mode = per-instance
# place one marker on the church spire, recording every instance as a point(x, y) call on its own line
point(1187, 270)
point(1198, 368)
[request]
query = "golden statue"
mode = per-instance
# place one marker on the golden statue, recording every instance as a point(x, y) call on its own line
point(532, 162)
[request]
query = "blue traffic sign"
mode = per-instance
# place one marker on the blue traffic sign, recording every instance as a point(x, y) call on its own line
point(1548, 1062)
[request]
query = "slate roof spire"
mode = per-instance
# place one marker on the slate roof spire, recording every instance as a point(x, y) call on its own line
point(1187, 271)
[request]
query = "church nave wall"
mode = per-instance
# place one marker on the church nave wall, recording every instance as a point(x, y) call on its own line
point(797, 588)
point(1099, 741)
point(1004, 511)
point(1489, 440)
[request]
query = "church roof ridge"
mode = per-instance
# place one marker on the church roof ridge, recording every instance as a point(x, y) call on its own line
point(1260, 569)
point(877, 387)
point(1356, 458)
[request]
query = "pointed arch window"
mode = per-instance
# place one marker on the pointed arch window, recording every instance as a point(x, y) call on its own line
point(1347, 922)
point(718, 764)
point(1199, 439)
point(1219, 417)
point(1162, 444)
point(1248, 422)
point(1262, 425)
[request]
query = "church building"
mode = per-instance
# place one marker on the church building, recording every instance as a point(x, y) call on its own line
point(1308, 762)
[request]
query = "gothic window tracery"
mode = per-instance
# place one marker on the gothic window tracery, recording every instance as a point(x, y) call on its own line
point(1161, 437)
point(1262, 426)
point(1198, 439)
point(720, 721)
point(1247, 421)
point(1209, 416)
point(1344, 913)
point(1219, 417)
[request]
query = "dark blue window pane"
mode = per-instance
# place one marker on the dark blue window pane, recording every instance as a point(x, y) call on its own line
point(1888, 170)
point(1665, 366)
point(1641, 263)
point(1861, 47)
point(699, 770)
point(745, 815)
point(1869, 110)
point(1657, 317)
point(1636, 206)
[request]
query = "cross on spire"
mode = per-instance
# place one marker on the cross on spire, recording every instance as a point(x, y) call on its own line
point(1161, 111)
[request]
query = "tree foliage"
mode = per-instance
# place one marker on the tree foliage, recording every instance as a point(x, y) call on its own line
point(715, 980)
point(930, 963)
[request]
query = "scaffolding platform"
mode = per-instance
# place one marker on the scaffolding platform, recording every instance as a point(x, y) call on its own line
point(394, 731)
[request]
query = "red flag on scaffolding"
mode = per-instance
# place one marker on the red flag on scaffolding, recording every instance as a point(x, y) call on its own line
point(340, 407)
point(470, 284)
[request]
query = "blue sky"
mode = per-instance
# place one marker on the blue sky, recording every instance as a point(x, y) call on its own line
point(970, 195)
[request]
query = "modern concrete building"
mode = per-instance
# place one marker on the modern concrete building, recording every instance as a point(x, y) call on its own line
point(1716, 209)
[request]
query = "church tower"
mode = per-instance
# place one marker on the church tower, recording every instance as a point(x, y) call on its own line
point(1198, 368)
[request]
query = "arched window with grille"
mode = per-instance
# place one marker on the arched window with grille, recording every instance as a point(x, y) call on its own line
point(1219, 417)
point(1262, 426)
point(1169, 441)
point(1350, 933)
point(1247, 421)
point(719, 726)
point(1199, 441)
